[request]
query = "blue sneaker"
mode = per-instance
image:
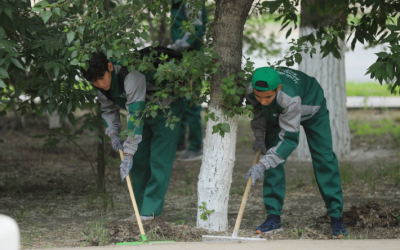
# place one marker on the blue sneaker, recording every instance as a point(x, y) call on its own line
point(338, 229)
point(270, 225)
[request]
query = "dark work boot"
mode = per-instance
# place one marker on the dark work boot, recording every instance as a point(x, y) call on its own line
point(270, 225)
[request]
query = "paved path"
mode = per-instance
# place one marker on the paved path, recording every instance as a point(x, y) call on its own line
point(373, 102)
point(269, 245)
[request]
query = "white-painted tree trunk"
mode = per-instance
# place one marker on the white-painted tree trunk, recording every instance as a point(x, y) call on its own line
point(331, 75)
point(215, 176)
point(54, 120)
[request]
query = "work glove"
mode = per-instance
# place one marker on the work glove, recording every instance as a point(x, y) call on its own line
point(255, 172)
point(126, 166)
point(116, 143)
point(260, 143)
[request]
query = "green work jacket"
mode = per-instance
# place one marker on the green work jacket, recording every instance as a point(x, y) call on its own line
point(300, 99)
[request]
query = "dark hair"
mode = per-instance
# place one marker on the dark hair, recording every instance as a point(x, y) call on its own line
point(98, 65)
point(262, 84)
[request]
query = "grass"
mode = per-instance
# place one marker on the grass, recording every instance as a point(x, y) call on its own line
point(389, 174)
point(392, 172)
point(297, 233)
point(354, 236)
point(21, 215)
point(98, 232)
point(237, 191)
point(28, 237)
point(378, 128)
point(346, 173)
point(367, 89)
point(188, 181)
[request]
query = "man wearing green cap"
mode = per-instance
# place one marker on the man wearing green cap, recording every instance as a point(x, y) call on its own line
point(283, 100)
point(191, 119)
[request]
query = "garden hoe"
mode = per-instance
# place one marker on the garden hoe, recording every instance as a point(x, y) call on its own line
point(239, 217)
point(135, 208)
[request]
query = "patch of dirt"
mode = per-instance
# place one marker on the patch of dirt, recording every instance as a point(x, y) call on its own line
point(372, 215)
point(156, 230)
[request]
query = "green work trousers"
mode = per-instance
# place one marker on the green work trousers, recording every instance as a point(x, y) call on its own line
point(192, 119)
point(326, 170)
point(153, 161)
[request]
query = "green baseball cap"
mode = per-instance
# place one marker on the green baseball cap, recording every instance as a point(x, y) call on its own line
point(268, 75)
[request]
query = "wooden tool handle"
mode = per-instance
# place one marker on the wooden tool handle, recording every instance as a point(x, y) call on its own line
point(244, 199)
point(128, 182)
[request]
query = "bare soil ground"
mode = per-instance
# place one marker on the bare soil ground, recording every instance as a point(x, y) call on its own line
point(51, 192)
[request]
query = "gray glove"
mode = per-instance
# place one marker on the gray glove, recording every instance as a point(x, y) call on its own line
point(260, 143)
point(126, 166)
point(255, 172)
point(116, 143)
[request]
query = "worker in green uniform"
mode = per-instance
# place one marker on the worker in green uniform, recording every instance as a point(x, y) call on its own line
point(186, 41)
point(283, 100)
point(152, 149)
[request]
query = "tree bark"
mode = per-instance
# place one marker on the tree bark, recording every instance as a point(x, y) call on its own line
point(331, 75)
point(163, 31)
point(101, 156)
point(219, 152)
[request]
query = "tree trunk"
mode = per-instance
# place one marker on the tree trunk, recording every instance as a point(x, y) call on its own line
point(331, 75)
point(101, 156)
point(219, 152)
point(54, 119)
point(101, 162)
point(163, 31)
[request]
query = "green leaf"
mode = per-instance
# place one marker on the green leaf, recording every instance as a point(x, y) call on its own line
point(153, 114)
point(392, 27)
point(172, 126)
point(9, 14)
point(144, 35)
point(2, 84)
point(2, 33)
point(225, 127)
point(188, 96)
point(288, 33)
point(74, 54)
point(390, 38)
point(4, 73)
point(109, 53)
point(69, 107)
point(70, 36)
point(57, 11)
point(45, 16)
point(382, 54)
point(16, 63)
point(375, 66)
point(215, 129)
point(56, 69)
point(77, 43)
point(81, 29)
point(389, 70)
point(74, 62)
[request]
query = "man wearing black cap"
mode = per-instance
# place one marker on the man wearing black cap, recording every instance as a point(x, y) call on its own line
point(283, 100)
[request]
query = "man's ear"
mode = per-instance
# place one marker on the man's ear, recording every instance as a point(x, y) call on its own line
point(279, 87)
point(110, 67)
